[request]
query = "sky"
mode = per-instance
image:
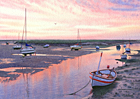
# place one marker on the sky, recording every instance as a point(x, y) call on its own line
point(61, 19)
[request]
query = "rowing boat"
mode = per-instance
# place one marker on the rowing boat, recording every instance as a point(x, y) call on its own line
point(102, 77)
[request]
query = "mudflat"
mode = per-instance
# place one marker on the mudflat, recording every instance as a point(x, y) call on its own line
point(127, 84)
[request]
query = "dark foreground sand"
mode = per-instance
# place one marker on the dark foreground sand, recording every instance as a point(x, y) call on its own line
point(126, 86)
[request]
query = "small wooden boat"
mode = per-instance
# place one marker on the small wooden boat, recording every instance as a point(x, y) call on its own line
point(124, 45)
point(102, 77)
point(46, 46)
point(127, 50)
point(16, 47)
point(97, 47)
point(7, 43)
point(118, 47)
point(75, 47)
point(123, 56)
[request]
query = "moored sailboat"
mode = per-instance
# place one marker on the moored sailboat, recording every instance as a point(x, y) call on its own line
point(28, 48)
point(76, 46)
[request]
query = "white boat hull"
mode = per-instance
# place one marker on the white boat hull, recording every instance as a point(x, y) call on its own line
point(76, 47)
point(123, 56)
point(124, 45)
point(102, 80)
point(127, 50)
point(17, 47)
point(28, 51)
point(46, 46)
point(97, 47)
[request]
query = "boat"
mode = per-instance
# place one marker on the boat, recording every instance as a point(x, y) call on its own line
point(102, 77)
point(46, 46)
point(118, 47)
point(124, 45)
point(124, 56)
point(76, 46)
point(127, 50)
point(28, 48)
point(97, 47)
point(7, 43)
point(16, 47)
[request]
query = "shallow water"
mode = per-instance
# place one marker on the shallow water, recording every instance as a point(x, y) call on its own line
point(58, 80)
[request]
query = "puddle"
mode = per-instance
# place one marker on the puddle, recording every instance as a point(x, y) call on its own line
point(6, 61)
point(42, 55)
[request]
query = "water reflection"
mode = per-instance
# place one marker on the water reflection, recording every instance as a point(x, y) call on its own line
point(58, 80)
point(42, 55)
point(6, 60)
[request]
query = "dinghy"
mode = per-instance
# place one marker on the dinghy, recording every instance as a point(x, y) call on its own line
point(75, 47)
point(7, 43)
point(127, 50)
point(124, 45)
point(102, 77)
point(118, 47)
point(16, 47)
point(97, 47)
point(123, 56)
point(46, 46)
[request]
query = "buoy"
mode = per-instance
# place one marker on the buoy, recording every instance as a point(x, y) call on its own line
point(108, 66)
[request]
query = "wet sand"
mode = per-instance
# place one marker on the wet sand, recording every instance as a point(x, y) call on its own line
point(127, 84)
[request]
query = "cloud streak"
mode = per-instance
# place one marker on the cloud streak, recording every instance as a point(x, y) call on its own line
point(47, 19)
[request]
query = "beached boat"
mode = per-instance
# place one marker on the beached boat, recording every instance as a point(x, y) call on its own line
point(124, 45)
point(16, 47)
point(127, 50)
point(102, 77)
point(7, 43)
point(118, 47)
point(76, 46)
point(28, 48)
point(123, 56)
point(97, 47)
point(46, 46)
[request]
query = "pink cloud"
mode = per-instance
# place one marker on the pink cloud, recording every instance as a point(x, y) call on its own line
point(93, 16)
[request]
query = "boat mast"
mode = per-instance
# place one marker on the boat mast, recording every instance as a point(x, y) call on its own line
point(25, 28)
point(99, 62)
point(78, 37)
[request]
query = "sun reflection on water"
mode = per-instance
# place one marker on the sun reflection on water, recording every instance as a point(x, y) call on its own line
point(6, 61)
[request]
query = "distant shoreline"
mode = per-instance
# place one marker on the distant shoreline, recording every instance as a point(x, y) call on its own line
point(71, 42)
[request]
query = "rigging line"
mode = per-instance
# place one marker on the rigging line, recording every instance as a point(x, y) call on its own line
point(79, 89)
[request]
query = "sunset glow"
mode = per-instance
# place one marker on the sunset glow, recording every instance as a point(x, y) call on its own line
point(60, 19)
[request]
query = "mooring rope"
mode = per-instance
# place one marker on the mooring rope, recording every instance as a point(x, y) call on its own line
point(79, 89)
